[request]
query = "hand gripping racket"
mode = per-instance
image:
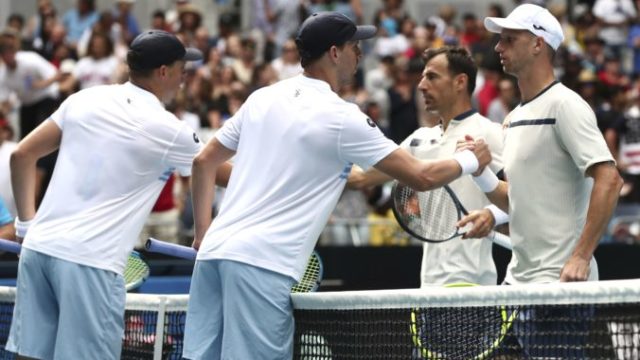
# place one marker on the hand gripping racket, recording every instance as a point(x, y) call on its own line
point(432, 215)
point(310, 279)
point(470, 333)
point(135, 273)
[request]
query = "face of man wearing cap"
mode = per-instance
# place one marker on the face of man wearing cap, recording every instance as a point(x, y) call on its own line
point(172, 76)
point(517, 49)
point(349, 57)
point(438, 85)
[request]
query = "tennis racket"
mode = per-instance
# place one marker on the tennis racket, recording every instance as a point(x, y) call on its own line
point(135, 273)
point(310, 279)
point(470, 333)
point(432, 215)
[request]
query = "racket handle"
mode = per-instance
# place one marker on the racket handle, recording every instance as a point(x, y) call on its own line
point(163, 247)
point(10, 246)
point(501, 239)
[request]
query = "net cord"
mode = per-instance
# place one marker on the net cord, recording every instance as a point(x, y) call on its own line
point(620, 291)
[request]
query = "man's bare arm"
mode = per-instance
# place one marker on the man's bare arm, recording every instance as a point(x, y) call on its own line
point(604, 197)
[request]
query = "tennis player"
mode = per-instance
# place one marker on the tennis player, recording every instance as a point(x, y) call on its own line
point(294, 144)
point(116, 146)
point(448, 80)
point(562, 184)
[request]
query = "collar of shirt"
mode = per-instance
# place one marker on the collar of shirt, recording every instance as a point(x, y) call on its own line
point(145, 95)
point(464, 115)
point(316, 83)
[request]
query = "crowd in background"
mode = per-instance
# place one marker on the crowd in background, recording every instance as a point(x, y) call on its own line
point(60, 51)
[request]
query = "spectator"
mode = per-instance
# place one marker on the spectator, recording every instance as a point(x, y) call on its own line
point(403, 111)
point(100, 66)
point(614, 18)
point(79, 19)
point(128, 23)
point(594, 53)
point(159, 21)
point(190, 20)
point(507, 100)
point(106, 24)
point(623, 139)
point(470, 34)
point(288, 63)
point(244, 65)
point(31, 78)
point(45, 17)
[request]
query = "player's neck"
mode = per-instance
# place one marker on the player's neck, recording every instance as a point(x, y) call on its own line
point(457, 109)
point(320, 72)
point(147, 84)
point(533, 82)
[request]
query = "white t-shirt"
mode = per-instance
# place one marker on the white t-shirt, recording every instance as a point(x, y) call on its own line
point(457, 260)
point(296, 141)
point(6, 191)
point(31, 67)
point(118, 148)
point(91, 72)
point(550, 143)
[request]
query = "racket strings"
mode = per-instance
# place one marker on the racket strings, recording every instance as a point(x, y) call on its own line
point(311, 277)
point(459, 333)
point(431, 215)
point(135, 272)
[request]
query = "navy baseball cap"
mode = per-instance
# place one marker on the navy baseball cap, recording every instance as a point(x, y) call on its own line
point(154, 48)
point(322, 30)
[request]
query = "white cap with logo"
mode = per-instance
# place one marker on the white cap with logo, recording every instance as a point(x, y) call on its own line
point(533, 18)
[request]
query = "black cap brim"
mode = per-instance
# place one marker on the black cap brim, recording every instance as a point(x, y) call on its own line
point(192, 54)
point(364, 32)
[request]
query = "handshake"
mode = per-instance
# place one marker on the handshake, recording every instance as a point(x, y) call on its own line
point(472, 155)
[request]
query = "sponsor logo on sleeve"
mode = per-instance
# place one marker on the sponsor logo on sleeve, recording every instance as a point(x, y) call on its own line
point(371, 122)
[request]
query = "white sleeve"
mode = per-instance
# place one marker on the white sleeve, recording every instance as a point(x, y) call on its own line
point(579, 135)
point(183, 149)
point(362, 142)
point(59, 115)
point(229, 134)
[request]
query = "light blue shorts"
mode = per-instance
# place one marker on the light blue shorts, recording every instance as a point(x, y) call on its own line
point(238, 311)
point(66, 311)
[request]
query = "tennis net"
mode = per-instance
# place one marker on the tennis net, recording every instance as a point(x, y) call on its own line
point(154, 325)
point(598, 320)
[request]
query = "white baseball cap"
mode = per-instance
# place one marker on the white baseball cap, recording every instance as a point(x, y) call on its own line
point(533, 18)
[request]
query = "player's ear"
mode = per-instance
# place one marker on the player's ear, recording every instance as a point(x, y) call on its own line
point(461, 81)
point(163, 70)
point(539, 45)
point(333, 53)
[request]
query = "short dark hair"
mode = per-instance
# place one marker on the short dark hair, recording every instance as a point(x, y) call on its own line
point(16, 17)
point(9, 40)
point(105, 37)
point(306, 59)
point(459, 62)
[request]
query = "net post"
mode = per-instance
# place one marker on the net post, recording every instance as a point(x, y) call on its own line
point(159, 340)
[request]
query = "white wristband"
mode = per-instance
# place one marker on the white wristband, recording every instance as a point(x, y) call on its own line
point(467, 160)
point(487, 181)
point(21, 227)
point(499, 216)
